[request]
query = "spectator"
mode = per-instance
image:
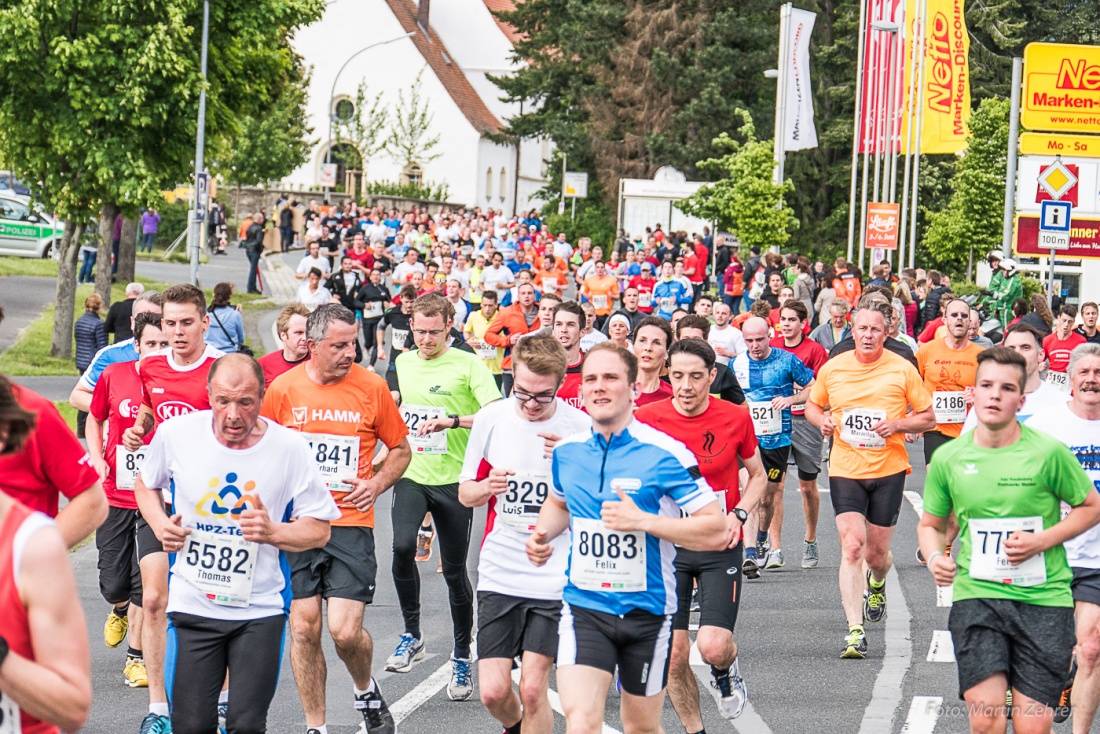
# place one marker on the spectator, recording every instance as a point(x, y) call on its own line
point(312, 293)
point(150, 223)
point(286, 224)
point(90, 336)
point(88, 250)
point(226, 331)
point(904, 293)
point(254, 247)
point(118, 315)
point(931, 310)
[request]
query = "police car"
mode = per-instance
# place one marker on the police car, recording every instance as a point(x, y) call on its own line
point(25, 231)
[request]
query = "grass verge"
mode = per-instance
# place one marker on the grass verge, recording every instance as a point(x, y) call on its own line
point(68, 412)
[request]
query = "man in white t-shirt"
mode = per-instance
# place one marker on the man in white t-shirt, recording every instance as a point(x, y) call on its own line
point(227, 540)
point(409, 265)
point(727, 341)
point(313, 260)
point(507, 467)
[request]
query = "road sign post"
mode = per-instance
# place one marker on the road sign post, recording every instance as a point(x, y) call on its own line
point(1054, 224)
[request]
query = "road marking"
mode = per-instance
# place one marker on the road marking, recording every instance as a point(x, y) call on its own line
point(898, 656)
point(924, 711)
point(944, 594)
point(916, 501)
point(555, 703)
point(421, 694)
point(693, 627)
point(694, 658)
point(942, 649)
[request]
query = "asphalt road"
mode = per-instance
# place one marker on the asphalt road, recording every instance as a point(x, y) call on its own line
point(790, 631)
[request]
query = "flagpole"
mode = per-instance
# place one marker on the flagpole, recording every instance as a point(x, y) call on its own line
point(856, 126)
point(780, 144)
point(880, 105)
point(918, 51)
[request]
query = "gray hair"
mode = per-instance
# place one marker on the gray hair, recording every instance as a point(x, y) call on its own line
point(152, 297)
point(839, 305)
point(880, 306)
point(318, 322)
point(1081, 351)
point(134, 289)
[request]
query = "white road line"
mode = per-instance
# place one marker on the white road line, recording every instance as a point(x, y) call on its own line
point(924, 711)
point(421, 694)
point(944, 594)
point(916, 501)
point(897, 658)
point(942, 648)
point(555, 703)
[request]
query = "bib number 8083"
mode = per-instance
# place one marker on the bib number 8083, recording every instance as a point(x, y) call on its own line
point(613, 545)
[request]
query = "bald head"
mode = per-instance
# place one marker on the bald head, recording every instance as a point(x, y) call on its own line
point(236, 372)
point(755, 326)
point(757, 333)
point(236, 387)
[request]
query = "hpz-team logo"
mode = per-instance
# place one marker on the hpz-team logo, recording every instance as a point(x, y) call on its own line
point(229, 501)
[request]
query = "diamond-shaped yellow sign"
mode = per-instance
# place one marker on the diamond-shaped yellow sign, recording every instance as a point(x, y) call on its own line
point(1056, 179)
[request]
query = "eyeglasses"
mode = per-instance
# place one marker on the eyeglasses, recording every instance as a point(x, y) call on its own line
point(422, 333)
point(523, 397)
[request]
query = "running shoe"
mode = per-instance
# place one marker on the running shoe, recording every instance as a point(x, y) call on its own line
point(732, 692)
point(408, 651)
point(376, 714)
point(750, 569)
point(1062, 710)
point(762, 547)
point(155, 724)
point(855, 645)
point(774, 559)
point(695, 599)
point(114, 631)
point(461, 685)
point(809, 554)
point(223, 714)
point(134, 674)
point(424, 545)
point(874, 601)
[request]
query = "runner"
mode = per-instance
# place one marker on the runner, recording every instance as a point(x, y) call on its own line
point(441, 390)
point(114, 405)
point(602, 290)
point(652, 339)
point(291, 328)
point(869, 392)
point(343, 411)
point(508, 467)
point(1077, 425)
point(619, 600)
point(513, 324)
point(806, 440)
point(726, 340)
point(474, 329)
point(719, 435)
point(226, 595)
point(569, 323)
point(1059, 345)
point(1087, 329)
point(725, 385)
point(645, 284)
point(769, 378)
point(590, 337)
point(45, 683)
point(670, 293)
point(1012, 608)
point(397, 319)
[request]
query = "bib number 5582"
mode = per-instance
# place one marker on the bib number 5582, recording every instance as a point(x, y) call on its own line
point(217, 558)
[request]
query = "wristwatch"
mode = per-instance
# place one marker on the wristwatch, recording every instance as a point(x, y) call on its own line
point(454, 417)
point(3, 651)
point(740, 514)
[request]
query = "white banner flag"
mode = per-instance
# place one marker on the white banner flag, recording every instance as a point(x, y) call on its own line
point(799, 114)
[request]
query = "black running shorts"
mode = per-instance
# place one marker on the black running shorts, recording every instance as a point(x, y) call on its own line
point(146, 539)
point(1086, 585)
point(639, 643)
point(775, 462)
point(878, 500)
point(508, 625)
point(116, 541)
point(932, 441)
point(719, 577)
point(345, 568)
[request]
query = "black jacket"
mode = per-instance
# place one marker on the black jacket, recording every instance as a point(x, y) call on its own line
point(896, 346)
point(254, 237)
point(118, 319)
point(371, 293)
point(337, 287)
point(931, 310)
point(633, 318)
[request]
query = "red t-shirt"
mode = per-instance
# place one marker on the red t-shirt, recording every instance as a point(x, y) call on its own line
point(366, 259)
point(718, 437)
point(116, 400)
point(663, 392)
point(929, 332)
point(171, 390)
point(693, 261)
point(51, 463)
point(275, 364)
point(1058, 350)
point(645, 288)
point(570, 390)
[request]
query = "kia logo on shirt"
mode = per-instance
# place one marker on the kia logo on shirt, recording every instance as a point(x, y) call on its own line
point(173, 408)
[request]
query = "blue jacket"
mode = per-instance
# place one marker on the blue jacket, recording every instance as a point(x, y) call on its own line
point(91, 335)
point(670, 293)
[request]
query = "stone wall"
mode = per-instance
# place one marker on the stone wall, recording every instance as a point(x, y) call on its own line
point(248, 199)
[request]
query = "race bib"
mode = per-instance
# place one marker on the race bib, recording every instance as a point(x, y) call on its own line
point(645, 300)
point(720, 495)
point(518, 508)
point(766, 420)
point(400, 338)
point(372, 309)
point(606, 560)
point(416, 415)
point(988, 560)
point(855, 428)
point(127, 466)
point(949, 406)
point(336, 456)
point(667, 304)
point(1060, 380)
point(10, 722)
point(798, 409)
point(487, 351)
point(599, 302)
point(220, 566)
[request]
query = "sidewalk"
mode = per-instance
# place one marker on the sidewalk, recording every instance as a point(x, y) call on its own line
point(279, 278)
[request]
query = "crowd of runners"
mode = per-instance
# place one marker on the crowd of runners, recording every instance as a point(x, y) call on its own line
point(627, 420)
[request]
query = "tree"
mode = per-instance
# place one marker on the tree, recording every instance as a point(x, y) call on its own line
point(972, 220)
point(366, 127)
point(410, 140)
point(98, 100)
point(745, 200)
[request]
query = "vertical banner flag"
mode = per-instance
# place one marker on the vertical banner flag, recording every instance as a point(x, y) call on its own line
point(799, 118)
point(875, 115)
point(946, 93)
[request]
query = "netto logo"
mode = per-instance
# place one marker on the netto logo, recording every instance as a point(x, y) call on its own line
point(172, 409)
point(941, 73)
point(1075, 74)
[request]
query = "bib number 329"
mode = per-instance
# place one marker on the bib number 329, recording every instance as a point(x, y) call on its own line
point(220, 566)
point(855, 428)
point(518, 507)
point(127, 466)
point(606, 560)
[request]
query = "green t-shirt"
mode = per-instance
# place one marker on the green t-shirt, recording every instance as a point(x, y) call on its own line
point(457, 382)
point(1028, 479)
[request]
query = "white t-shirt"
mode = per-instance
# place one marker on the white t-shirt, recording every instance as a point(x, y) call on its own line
point(502, 439)
point(1045, 396)
point(312, 299)
point(1083, 439)
point(403, 270)
point(320, 262)
point(491, 277)
point(729, 337)
point(564, 250)
point(211, 484)
point(591, 339)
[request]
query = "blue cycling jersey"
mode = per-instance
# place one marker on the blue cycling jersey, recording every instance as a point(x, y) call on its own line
point(669, 295)
point(661, 476)
point(123, 351)
point(772, 377)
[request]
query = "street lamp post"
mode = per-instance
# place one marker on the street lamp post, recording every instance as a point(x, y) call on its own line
point(332, 94)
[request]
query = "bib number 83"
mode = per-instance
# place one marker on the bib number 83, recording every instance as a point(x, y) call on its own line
point(209, 556)
point(595, 544)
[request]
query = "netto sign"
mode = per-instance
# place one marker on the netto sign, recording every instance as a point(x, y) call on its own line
point(1061, 87)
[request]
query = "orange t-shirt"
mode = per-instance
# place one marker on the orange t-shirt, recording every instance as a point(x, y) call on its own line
point(358, 409)
point(551, 281)
point(602, 292)
point(863, 394)
point(948, 370)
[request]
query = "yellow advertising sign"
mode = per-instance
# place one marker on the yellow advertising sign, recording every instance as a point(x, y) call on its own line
point(1061, 87)
point(945, 95)
point(1080, 146)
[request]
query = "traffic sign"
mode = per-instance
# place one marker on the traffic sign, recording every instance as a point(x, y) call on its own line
point(1054, 224)
point(202, 195)
point(576, 185)
point(1056, 179)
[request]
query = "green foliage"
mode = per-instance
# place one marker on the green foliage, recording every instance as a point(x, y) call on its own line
point(410, 139)
point(972, 220)
point(427, 190)
point(745, 201)
point(594, 220)
point(366, 128)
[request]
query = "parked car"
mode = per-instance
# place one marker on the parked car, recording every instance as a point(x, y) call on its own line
point(11, 185)
point(24, 231)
